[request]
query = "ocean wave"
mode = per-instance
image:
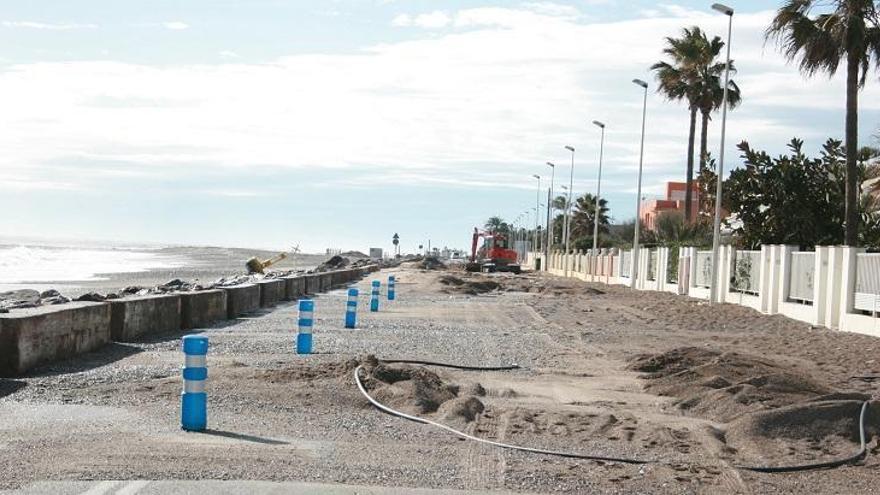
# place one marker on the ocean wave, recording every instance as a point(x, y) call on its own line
point(20, 264)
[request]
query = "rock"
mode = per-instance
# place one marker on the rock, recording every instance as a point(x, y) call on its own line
point(92, 297)
point(128, 291)
point(47, 294)
point(51, 301)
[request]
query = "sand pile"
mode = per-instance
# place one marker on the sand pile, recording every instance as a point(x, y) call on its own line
point(419, 391)
point(472, 287)
point(431, 263)
point(723, 386)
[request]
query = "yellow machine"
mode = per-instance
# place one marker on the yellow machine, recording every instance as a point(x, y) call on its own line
point(254, 265)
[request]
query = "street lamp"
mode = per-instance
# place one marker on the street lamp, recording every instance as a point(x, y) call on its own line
point(537, 202)
point(598, 188)
point(568, 207)
point(634, 270)
point(714, 296)
point(549, 208)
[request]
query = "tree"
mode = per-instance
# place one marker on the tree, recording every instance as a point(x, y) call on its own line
point(584, 214)
point(497, 226)
point(695, 77)
point(794, 199)
point(846, 31)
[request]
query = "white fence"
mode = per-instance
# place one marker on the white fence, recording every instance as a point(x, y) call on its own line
point(867, 296)
point(747, 272)
point(836, 287)
point(801, 276)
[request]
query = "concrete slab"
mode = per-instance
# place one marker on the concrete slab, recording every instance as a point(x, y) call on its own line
point(242, 299)
point(272, 292)
point(294, 287)
point(134, 317)
point(31, 337)
point(202, 308)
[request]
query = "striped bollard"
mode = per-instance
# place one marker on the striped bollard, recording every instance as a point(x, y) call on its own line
point(351, 308)
point(374, 296)
point(390, 287)
point(194, 400)
point(306, 320)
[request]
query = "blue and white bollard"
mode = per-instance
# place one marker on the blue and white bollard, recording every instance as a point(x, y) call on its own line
point(306, 320)
point(390, 287)
point(351, 308)
point(374, 296)
point(194, 400)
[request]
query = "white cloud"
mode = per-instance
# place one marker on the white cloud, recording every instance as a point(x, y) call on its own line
point(47, 25)
point(434, 20)
point(480, 106)
point(554, 9)
point(228, 54)
point(175, 25)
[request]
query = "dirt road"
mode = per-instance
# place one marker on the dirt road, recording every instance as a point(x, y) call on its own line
point(598, 377)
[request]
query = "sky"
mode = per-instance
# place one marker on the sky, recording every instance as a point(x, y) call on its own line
point(335, 124)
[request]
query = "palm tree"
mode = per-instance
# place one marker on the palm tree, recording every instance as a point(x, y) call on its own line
point(496, 225)
point(583, 216)
point(695, 76)
point(846, 30)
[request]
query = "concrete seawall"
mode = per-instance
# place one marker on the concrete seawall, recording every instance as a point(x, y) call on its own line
point(132, 318)
point(34, 337)
point(202, 309)
point(31, 337)
point(272, 292)
point(294, 288)
point(242, 299)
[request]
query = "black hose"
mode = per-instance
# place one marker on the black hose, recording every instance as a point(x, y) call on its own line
point(454, 366)
point(573, 455)
point(821, 465)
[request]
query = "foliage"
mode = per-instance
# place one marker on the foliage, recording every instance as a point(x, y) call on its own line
point(793, 199)
point(843, 30)
point(584, 214)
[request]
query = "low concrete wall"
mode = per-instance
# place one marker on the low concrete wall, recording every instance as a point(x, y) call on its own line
point(31, 337)
point(294, 288)
point(132, 318)
point(313, 285)
point(272, 291)
point(202, 308)
point(241, 299)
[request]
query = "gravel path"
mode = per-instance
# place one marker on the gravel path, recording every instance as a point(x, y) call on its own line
point(276, 416)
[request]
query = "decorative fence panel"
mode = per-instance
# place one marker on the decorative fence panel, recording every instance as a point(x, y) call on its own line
point(626, 266)
point(703, 276)
point(801, 276)
point(747, 272)
point(672, 266)
point(867, 297)
point(652, 265)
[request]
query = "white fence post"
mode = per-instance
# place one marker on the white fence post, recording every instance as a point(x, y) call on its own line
point(833, 292)
point(765, 284)
point(784, 273)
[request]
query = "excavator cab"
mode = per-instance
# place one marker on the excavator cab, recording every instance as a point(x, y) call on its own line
point(494, 254)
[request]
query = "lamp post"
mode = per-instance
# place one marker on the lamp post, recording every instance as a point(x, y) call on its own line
point(714, 295)
point(550, 208)
point(598, 188)
point(634, 270)
point(537, 204)
point(568, 208)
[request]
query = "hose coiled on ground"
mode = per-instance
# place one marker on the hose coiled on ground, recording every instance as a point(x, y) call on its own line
point(574, 455)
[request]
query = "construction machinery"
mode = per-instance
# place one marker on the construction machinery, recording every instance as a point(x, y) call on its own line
point(494, 255)
point(255, 265)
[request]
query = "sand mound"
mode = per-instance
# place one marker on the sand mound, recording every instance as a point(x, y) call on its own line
point(805, 432)
point(431, 263)
point(409, 389)
point(462, 409)
point(723, 386)
point(471, 287)
point(310, 371)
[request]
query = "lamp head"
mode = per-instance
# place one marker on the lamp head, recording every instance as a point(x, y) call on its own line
point(599, 124)
point(569, 148)
point(724, 9)
point(536, 176)
point(640, 83)
point(551, 165)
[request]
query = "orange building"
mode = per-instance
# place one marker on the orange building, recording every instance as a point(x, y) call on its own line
point(675, 193)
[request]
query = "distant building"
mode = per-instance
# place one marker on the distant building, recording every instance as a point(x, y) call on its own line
point(674, 201)
point(376, 253)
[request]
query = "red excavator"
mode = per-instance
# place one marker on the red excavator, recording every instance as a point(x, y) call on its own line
point(494, 255)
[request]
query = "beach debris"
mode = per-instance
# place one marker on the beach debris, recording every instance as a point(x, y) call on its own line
point(334, 263)
point(19, 299)
point(432, 263)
